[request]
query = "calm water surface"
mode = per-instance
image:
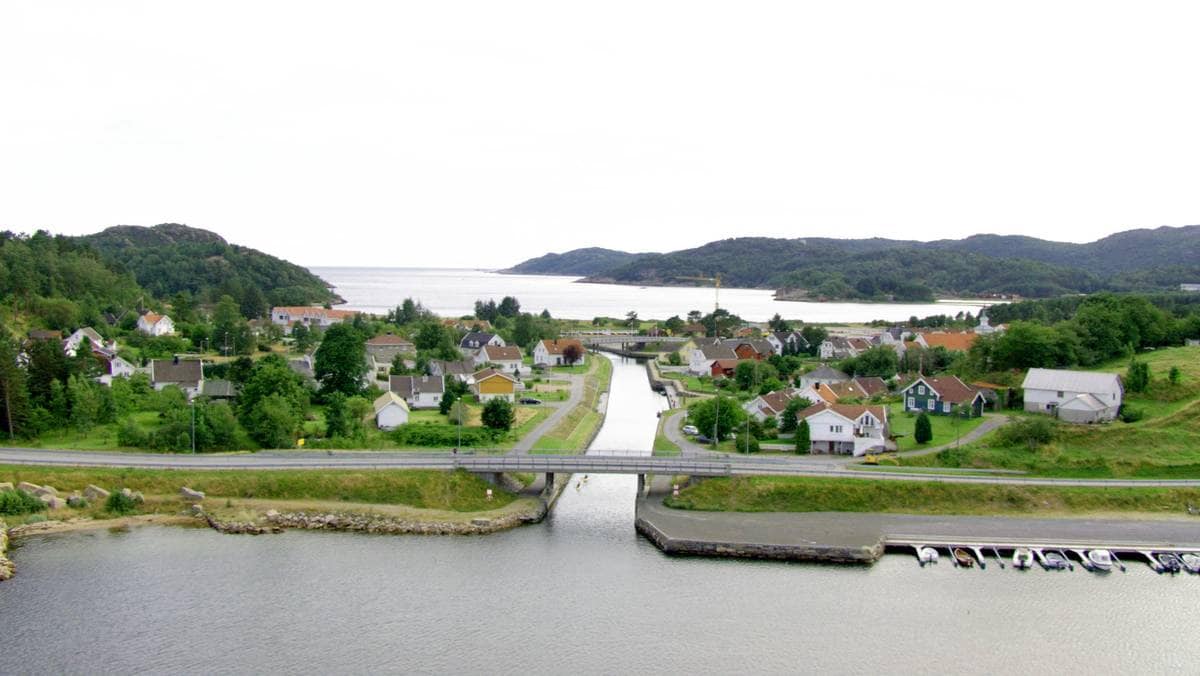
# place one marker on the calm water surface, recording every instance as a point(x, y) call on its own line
point(453, 293)
point(580, 593)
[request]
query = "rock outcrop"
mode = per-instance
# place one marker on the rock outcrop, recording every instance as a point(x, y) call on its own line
point(27, 487)
point(6, 486)
point(95, 494)
point(7, 568)
point(190, 495)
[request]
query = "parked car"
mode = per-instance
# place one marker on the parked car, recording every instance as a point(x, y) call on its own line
point(703, 439)
point(690, 429)
point(531, 401)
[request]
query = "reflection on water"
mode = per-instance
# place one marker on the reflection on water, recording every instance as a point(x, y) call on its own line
point(580, 593)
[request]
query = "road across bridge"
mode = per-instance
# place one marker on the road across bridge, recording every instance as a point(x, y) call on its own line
point(626, 339)
point(600, 462)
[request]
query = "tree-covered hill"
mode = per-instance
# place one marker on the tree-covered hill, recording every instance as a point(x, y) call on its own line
point(169, 258)
point(879, 269)
point(577, 263)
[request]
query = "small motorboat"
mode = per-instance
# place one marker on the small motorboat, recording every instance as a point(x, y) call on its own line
point(1022, 558)
point(927, 555)
point(1054, 560)
point(1191, 562)
point(1170, 563)
point(963, 558)
point(1101, 559)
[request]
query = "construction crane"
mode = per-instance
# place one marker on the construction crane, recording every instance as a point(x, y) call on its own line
point(716, 282)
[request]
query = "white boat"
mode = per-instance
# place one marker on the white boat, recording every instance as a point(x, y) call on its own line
point(1022, 558)
point(927, 555)
point(1191, 562)
point(1054, 560)
point(1100, 558)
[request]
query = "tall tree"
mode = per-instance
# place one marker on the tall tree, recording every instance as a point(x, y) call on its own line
point(498, 414)
point(509, 307)
point(341, 361)
point(803, 438)
point(13, 395)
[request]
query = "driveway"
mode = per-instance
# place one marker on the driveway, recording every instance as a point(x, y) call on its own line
point(562, 408)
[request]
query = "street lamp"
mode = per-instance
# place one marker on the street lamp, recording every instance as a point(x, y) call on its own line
point(192, 405)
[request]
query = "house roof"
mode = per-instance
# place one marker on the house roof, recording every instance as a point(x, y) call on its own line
point(152, 318)
point(45, 334)
point(91, 334)
point(711, 352)
point(492, 373)
point(859, 344)
point(177, 371)
point(759, 345)
point(955, 342)
point(834, 392)
point(725, 364)
point(948, 388)
point(775, 402)
point(826, 373)
point(410, 386)
point(502, 353)
point(310, 311)
point(218, 388)
point(454, 368)
point(387, 399)
point(872, 385)
point(557, 345)
point(476, 338)
point(1071, 381)
point(848, 411)
point(389, 340)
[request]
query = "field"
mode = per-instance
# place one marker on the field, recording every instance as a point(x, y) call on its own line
point(1164, 444)
point(801, 494)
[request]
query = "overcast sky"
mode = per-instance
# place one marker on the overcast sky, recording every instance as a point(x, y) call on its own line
point(477, 134)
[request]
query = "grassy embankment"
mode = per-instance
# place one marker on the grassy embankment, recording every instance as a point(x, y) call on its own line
point(435, 495)
point(662, 445)
point(802, 494)
point(1164, 444)
point(573, 433)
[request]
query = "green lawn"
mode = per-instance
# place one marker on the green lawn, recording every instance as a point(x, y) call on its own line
point(692, 383)
point(1162, 398)
point(662, 445)
point(574, 432)
point(802, 494)
point(944, 428)
point(99, 438)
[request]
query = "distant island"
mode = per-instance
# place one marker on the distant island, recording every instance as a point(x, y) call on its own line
point(980, 266)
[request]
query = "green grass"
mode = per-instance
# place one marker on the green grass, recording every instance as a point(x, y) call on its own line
point(802, 494)
point(662, 445)
point(574, 432)
point(1166, 447)
point(1162, 398)
point(452, 491)
point(901, 423)
point(99, 438)
point(692, 383)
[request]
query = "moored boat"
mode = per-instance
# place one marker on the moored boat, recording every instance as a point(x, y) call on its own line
point(1054, 560)
point(963, 557)
point(927, 555)
point(1170, 563)
point(1100, 558)
point(1191, 562)
point(1022, 558)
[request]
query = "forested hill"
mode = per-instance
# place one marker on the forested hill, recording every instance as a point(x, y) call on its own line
point(883, 269)
point(577, 263)
point(169, 258)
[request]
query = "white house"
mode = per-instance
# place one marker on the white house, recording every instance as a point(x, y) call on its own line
point(72, 343)
point(846, 430)
point(419, 391)
point(112, 366)
point(789, 341)
point(507, 358)
point(824, 375)
point(390, 411)
point(383, 350)
point(1074, 396)
point(552, 352)
point(155, 324)
point(309, 316)
point(771, 404)
point(186, 374)
point(474, 341)
point(705, 353)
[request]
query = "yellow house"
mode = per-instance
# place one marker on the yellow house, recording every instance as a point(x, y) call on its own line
point(490, 383)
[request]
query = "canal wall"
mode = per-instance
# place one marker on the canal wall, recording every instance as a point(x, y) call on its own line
point(7, 567)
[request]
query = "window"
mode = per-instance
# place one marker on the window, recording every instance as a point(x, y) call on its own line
point(1060, 394)
point(920, 389)
point(912, 403)
point(836, 429)
point(946, 407)
point(932, 404)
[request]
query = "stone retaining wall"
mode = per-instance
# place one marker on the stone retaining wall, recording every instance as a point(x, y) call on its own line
point(7, 567)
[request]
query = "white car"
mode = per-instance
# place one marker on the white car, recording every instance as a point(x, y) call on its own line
point(690, 429)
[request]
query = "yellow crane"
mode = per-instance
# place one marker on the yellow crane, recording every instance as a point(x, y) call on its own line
point(716, 282)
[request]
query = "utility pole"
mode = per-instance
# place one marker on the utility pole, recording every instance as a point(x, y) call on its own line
point(192, 403)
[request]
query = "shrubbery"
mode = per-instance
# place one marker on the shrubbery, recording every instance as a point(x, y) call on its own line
point(1030, 431)
point(1130, 414)
point(443, 436)
point(13, 503)
point(119, 503)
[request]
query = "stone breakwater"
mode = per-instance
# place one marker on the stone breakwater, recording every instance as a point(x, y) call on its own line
point(387, 525)
point(7, 567)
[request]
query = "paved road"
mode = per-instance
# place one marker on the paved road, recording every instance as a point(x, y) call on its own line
point(596, 462)
point(562, 409)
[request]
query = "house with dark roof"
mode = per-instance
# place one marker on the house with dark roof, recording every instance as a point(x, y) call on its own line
point(700, 361)
point(461, 369)
point(419, 391)
point(872, 385)
point(824, 375)
point(475, 340)
point(750, 348)
point(787, 342)
point(941, 395)
point(186, 374)
point(771, 404)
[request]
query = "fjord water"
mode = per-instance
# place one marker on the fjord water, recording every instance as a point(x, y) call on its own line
point(452, 293)
point(580, 593)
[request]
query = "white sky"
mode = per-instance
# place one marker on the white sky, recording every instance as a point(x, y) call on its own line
point(481, 133)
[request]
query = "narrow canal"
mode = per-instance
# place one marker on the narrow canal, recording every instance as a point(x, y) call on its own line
point(580, 593)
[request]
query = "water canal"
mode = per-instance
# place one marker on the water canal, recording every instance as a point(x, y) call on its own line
point(580, 593)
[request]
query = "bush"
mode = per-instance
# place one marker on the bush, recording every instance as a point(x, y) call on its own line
point(1130, 415)
point(445, 436)
point(754, 446)
point(13, 503)
point(119, 503)
point(498, 414)
point(130, 434)
point(923, 429)
point(1029, 431)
